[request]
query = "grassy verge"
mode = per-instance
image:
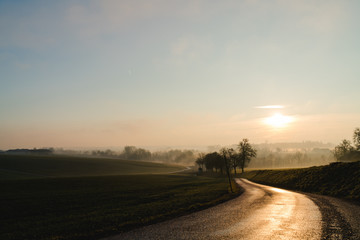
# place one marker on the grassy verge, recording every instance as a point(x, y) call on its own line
point(94, 207)
point(337, 179)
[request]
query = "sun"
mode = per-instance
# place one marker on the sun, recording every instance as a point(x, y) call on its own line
point(278, 120)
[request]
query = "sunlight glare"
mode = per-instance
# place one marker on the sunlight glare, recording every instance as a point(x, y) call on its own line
point(278, 120)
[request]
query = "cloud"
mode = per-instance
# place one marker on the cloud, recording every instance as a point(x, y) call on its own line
point(271, 107)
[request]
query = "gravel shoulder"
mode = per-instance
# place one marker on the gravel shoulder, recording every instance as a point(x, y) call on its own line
point(340, 218)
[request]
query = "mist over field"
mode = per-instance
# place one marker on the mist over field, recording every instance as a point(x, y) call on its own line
point(269, 155)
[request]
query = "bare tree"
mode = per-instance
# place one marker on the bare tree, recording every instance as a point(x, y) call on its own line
point(343, 150)
point(246, 152)
point(235, 160)
point(356, 138)
point(226, 154)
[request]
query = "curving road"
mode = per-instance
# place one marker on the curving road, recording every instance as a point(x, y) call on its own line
point(261, 212)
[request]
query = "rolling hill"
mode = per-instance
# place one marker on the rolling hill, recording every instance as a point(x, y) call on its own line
point(44, 166)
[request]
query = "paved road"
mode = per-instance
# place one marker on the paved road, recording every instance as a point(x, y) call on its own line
point(261, 212)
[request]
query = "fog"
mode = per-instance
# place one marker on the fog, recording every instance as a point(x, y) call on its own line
point(269, 155)
point(292, 155)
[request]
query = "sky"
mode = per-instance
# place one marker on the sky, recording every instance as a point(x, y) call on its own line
point(177, 73)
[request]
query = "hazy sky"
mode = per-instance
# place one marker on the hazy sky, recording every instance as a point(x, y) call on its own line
point(177, 73)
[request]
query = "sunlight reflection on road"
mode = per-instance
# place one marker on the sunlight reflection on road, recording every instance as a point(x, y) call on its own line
point(285, 215)
point(261, 212)
point(278, 190)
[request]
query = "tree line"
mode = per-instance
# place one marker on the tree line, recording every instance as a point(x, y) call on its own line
point(290, 158)
point(128, 153)
point(176, 156)
point(227, 159)
point(35, 151)
point(346, 151)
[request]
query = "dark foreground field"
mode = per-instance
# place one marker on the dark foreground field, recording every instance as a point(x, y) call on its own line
point(42, 166)
point(337, 179)
point(93, 207)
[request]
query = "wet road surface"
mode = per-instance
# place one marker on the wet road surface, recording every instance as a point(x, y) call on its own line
point(340, 218)
point(261, 212)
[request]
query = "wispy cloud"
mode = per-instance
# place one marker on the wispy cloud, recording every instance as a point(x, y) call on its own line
point(271, 107)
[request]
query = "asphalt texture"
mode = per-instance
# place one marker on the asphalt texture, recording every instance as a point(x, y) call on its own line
point(340, 218)
point(261, 212)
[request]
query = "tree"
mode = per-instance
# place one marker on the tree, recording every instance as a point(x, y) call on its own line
point(218, 162)
point(128, 152)
point(235, 160)
point(297, 157)
point(200, 161)
point(226, 154)
point(343, 150)
point(356, 138)
point(246, 152)
point(213, 160)
point(134, 153)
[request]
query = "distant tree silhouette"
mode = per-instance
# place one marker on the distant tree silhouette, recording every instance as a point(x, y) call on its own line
point(345, 151)
point(175, 156)
point(219, 163)
point(213, 160)
point(209, 162)
point(41, 151)
point(235, 159)
point(227, 155)
point(246, 153)
point(342, 151)
point(134, 153)
point(356, 138)
point(186, 154)
point(200, 161)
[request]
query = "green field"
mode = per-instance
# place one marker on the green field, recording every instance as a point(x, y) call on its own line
point(41, 199)
point(337, 179)
point(43, 166)
point(94, 207)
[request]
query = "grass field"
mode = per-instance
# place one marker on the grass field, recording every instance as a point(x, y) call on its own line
point(42, 166)
point(94, 207)
point(337, 179)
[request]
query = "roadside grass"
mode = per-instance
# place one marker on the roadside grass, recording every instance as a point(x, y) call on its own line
point(43, 166)
point(95, 207)
point(336, 179)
